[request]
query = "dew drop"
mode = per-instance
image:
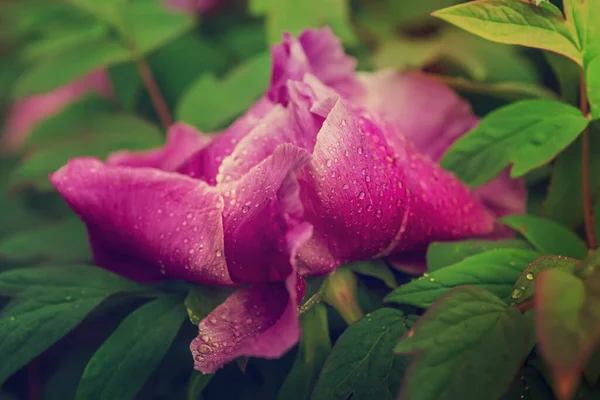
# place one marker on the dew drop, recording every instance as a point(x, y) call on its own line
point(218, 253)
point(204, 338)
point(346, 187)
point(361, 195)
point(328, 163)
point(359, 150)
point(212, 320)
point(516, 293)
point(249, 321)
point(205, 349)
point(199, 358)
point(530, 276)
point(245, 209)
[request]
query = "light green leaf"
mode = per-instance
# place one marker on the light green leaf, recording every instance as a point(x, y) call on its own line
point(527, 134)
point(361, 364)
point(568, 325)
point(201, 300)
point(65, 241)
point(525, 285)
point(547, 236)
point(469, 346)
point(108, 11)
point(295, 16)
point(313, 350)
point(516, 22)
point(210, 103)
point(69, 65)
point(511, 91)
point(495, 271)
point(592, 82)
point(198, 381)
point(375, 269)
point(119, 369)
point(443, 254)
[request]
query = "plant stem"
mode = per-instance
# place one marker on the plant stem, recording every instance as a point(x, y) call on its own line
point(158, 100)
point(585, 170)
point(525, 306)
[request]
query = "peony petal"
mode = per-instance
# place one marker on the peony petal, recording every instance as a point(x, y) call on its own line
point(25, 114)
point(422, 109)
point(182, 141)
point(260, 321)
point(315, 51)
point(433, 117)
point(262, 215)
point(147, 220)
point(204, 164)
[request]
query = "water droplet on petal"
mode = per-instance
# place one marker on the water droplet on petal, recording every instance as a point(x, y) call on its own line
point(530, 276)
point(516, 293)
point(361, 195)
point(205, 349)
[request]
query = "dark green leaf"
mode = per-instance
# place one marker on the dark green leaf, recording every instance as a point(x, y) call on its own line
point(201, 300)
point(88, 279)
point(125, 361)
point(127, 84)
point(525, 285)
point(592, 369)
point(567, 325)
point(469, 346)
point(361, 364)
point(198, 382)
point(526, 134)
point(495, 271)
point(295, 16)
point(65, 241)
point(375, 269)
point(210, 103)
point(515, 22)
point(564, 202)
point(313, 349)
point(51, 302)
point(568, 75)
point(443, 254)
point(547, 236)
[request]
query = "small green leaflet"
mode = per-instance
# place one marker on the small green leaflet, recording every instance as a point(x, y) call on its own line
point(65, 241)
point(516, 22)
point(51, 301)
point(361, 364)
point(547, 236)
point(127, 358)
point(495, 271)
point(294, 16)
point(524, 287)
point(443, 254)
point(527, 134)
point(375, 269)
point(567, 325)
point(313, 350)
point(201, 300)
point(198, 381)
point(210, 103)
point(469, 346)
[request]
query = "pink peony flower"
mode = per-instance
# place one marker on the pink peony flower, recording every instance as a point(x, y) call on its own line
point(319, 172)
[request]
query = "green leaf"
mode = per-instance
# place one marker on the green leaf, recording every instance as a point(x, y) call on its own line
point(108, 11)
point(88, 279)
point(443, 254)
point(69, 65)
point(564, 202)
point(583, 17)
point(295, 16)
point(568, 74)
point(469, 346)
point(495, 271)
point(127, 358)
point(210, 103)
point(547, 236)
point(201, 300)
point(568, 325)
point(361, 364)
point(527, 134)
point(100, 135)
point(65, 241)
point(52, 301)
point(198, 382)
point(511, 91)
point(313, 349)
point(516, 22)
point(525, 285)
point(592, 77)
point(375, 269)
point(592, 369)
point(127, 84)
point(150, 25)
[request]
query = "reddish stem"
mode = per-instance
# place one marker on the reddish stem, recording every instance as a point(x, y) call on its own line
point(588, 216)
point(525, 306)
